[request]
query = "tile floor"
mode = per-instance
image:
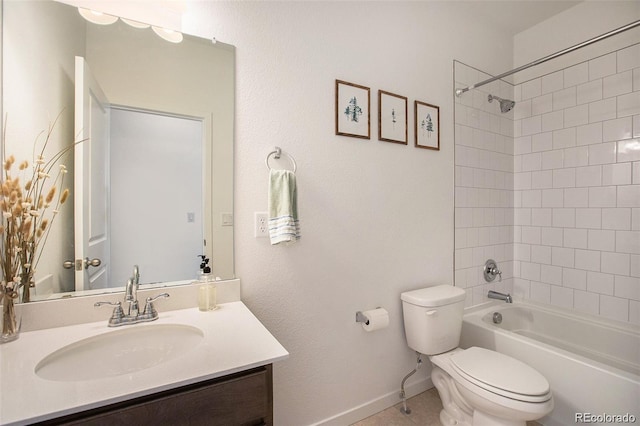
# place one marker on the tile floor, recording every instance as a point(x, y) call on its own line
point(425, 411)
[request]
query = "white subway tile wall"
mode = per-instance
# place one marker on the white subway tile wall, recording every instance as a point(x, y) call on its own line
point(484, 178)
point(571, 197)
point(593, 193)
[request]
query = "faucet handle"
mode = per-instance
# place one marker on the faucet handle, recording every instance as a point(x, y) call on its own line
point(116, 315)
point(116, 304)
point(491, 270)
point(149, 309)
point(161, 295)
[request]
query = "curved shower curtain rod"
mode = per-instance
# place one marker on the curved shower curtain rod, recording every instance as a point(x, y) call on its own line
point(552, 56)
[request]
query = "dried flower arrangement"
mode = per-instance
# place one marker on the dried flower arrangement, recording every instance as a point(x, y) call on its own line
point(30, 200)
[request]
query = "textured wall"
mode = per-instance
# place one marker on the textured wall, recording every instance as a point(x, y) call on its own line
point(376, 217)
point(32, 102)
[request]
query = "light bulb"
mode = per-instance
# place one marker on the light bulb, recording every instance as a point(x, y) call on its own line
point(169, 35)
point(134, 24)
point(97, 17)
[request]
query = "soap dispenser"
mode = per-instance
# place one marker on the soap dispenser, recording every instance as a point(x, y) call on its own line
point(205, 269)
point(206, 286)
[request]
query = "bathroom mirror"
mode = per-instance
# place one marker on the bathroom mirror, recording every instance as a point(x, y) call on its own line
point(160, 192)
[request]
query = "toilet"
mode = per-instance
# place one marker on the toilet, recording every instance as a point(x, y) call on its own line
point(477, 386)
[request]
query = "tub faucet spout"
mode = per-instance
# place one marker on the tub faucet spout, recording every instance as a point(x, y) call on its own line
point(500, 296)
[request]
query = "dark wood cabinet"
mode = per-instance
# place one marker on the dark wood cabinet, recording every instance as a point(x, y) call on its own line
point(244, 398)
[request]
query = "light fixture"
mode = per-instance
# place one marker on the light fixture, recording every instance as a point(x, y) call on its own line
point(104, 19)
point(134, 24)
point(169, 35)
point(97, 17)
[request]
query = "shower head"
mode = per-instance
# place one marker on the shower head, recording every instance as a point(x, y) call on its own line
point(505, 104)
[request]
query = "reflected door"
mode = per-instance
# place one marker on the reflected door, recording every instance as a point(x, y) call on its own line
point(156, 193)
point(91, 181)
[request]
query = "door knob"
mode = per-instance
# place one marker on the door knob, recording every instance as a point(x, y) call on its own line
point(78, 264)
point(92, 262)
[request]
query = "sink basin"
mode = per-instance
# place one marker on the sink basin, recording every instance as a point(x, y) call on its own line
point(119, 352)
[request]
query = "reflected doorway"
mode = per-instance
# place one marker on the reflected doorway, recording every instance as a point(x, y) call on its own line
point(156, 193)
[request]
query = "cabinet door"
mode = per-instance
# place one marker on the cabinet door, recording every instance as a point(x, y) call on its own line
point(244, 399)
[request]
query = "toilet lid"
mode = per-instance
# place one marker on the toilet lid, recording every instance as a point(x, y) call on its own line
point(500, 372)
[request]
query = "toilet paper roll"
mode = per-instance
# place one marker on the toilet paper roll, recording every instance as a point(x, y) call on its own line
point(378, 318)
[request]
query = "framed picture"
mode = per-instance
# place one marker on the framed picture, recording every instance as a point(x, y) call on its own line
point(353, 106)
point(427, 126)
point(392, 117)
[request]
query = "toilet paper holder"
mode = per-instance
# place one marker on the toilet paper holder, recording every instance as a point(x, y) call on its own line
point(360, 317)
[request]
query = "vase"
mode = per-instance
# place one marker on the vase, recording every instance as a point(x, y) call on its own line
point(10, 321)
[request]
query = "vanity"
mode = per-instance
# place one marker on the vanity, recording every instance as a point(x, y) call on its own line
point(238, 399)
point(219, 373)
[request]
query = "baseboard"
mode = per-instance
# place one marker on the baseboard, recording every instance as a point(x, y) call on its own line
point(374, 406)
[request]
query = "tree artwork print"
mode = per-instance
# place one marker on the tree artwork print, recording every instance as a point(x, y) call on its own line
point(427, 125)
point(353, 111)
point(392, 117)
point(353, 105)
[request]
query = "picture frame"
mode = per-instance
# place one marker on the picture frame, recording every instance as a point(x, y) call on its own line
point(392, 118)
point(427, 126)
point(353, 110)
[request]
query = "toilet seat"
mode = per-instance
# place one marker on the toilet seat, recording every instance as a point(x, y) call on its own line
point(500, 374)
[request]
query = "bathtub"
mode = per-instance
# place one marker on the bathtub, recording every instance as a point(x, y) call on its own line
point(592, 365)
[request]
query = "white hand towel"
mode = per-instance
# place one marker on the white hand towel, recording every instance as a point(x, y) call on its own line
point(284, 225)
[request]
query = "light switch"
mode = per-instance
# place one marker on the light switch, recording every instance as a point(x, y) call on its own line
point(226, 219)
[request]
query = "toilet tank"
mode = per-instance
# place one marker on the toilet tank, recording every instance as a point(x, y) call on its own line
point(433, 318)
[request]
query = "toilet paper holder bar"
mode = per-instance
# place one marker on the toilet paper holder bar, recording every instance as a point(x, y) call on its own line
point(360, 317)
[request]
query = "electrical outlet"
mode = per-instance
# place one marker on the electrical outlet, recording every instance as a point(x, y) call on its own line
point(261, 221)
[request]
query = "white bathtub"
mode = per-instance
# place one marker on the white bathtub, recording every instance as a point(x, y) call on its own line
point(592, 365)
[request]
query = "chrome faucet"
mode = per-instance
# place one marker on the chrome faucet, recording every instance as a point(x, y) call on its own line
point(131, 292)
point(500, 296)
point(136, 275)
point(133, 315)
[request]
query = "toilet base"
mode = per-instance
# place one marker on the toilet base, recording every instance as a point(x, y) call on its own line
point(484, 419)
point(456, 411)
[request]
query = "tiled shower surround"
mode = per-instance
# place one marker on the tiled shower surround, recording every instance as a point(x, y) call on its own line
point(576, 188)
point(484, 185)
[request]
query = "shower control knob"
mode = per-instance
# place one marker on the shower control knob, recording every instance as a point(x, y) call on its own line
point(491, 270)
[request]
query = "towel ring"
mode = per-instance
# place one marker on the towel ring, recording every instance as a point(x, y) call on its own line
point(277, 152)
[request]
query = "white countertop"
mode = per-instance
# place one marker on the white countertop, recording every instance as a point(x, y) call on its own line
point(234, 340)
